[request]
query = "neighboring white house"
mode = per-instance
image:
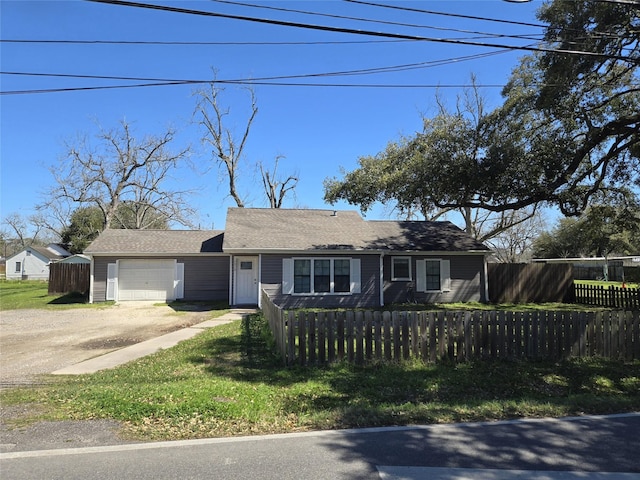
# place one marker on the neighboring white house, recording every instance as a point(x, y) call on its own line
point(32, 263)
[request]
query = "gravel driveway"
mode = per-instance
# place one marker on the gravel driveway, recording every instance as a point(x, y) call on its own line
point(35, 342)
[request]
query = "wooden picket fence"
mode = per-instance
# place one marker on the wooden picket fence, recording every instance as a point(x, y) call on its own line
point(320, 337)
point(610, 297)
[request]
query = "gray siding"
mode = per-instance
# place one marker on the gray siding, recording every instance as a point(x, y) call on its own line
point(100, 277)
point(271, 281)
point(205, 278)
point(467, 282)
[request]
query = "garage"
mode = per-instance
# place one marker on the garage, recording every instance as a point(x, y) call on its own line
point(146, 280)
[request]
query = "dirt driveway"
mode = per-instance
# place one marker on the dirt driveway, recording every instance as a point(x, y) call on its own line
point(34, 342)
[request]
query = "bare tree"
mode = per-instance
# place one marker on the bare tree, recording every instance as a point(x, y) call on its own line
point(121, 168)
point(515, 243)
point(227, 148)
point(25, 231)
point(275, 187)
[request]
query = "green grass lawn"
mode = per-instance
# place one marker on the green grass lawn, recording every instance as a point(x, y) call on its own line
point(227, 381)
point(18, 294)
point(602, 283)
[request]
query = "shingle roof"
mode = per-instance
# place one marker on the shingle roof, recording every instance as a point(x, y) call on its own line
point(265, 229)
point(290, 229)
point(422, 236)
point(45, 252)
point(304, 230)
point(115, 241)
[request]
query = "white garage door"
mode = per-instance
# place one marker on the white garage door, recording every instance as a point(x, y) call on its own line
point(146, 280)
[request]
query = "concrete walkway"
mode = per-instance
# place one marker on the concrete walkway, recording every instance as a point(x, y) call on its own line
point(148, 347)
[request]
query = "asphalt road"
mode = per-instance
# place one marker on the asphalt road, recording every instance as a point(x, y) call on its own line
point(586, 448)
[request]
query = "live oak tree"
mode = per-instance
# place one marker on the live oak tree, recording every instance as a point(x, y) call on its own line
point(569, 129)
point(604, 228)
point(121, 169)
point(416, 174)
point(85, 224)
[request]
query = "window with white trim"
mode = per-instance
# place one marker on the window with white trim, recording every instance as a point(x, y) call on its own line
point(18, 267)
point(433, 275)
point(400, 268)
point(342, 275)
point(320, 276)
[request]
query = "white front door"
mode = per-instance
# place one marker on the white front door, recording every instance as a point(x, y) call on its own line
point(246, 269)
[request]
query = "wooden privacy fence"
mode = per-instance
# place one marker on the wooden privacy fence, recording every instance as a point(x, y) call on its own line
point(305, 338)
point(610, 297)
point(68, 278)
point(530, 282)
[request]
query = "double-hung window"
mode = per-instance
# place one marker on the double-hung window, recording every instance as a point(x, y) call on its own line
point(18, 267)
point(341, 275)
point(432, 278)
point(400, 268)
point(433, 275)
point(321, 276)
point(302, 276)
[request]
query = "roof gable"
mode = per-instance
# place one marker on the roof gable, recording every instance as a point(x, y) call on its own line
point(44, 253)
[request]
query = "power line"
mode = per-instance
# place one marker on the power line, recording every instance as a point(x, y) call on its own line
point(325, 28)
point(158, 42)
point(474, 17)
point(384, 22)
point(446, 14)
point(245, 82)
point(364, 71)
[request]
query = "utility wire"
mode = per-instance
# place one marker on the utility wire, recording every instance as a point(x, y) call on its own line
point(325, 28)
point(158, 42)
point(473, 17)
point(384, 22)
point(364, 71)
point(446, 14)
point(245, 82)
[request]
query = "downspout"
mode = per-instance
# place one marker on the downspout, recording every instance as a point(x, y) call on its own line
point(230, 280)
point(382, 279)
point(91, 280)
point(260, 280)
point(486, 279)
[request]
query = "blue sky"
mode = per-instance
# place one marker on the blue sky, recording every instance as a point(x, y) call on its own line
point(317, 129)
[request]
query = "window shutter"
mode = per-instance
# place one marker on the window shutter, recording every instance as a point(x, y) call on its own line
point(421, 276)
point(179, 281)
point(445, 275)
point(355, 275)
point(112, 279)
point(287, 276)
